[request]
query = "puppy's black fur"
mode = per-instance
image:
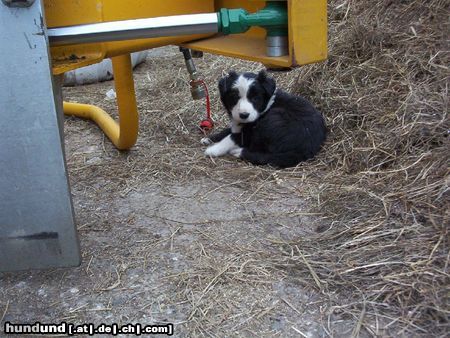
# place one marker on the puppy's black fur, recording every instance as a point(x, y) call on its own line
point(289, 132)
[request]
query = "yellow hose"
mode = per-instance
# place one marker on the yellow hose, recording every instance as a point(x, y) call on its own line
point(123, 134)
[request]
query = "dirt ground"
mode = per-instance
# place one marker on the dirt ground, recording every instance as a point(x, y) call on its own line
point(170, 236)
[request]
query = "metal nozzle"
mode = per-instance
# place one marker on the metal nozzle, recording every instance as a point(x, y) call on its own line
point(277, 45)
point(197, 90)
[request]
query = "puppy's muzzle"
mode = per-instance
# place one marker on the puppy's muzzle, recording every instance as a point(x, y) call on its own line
point(244, 116)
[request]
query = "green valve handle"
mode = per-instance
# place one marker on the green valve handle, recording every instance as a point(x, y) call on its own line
point(273, 18)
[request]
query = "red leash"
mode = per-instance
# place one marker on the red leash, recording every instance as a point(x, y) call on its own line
point(207, 124)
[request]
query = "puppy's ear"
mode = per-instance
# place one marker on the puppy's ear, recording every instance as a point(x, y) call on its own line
point(222, 86)
point(268, 83)
point(226, 81)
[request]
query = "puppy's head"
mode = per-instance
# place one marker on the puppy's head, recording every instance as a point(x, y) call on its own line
point(246, 96)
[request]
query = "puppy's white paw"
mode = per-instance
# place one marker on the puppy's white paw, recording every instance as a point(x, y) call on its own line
point(213, 151)
point(237, 152)
point(221, 148)
point(206, 141)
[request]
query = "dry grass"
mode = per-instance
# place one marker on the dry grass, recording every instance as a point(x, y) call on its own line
point(383, 178)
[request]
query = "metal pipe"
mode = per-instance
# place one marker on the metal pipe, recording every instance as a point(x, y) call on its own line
point(123, 134)
point(134, 29)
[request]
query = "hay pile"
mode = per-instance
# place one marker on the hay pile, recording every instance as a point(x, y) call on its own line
point(383, 177)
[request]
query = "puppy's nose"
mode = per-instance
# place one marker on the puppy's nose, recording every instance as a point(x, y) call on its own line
point(244, 115)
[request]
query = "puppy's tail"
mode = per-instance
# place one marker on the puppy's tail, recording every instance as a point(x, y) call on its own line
point(281, 160)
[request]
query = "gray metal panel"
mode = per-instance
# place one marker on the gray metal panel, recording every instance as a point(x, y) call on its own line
point(37, 228)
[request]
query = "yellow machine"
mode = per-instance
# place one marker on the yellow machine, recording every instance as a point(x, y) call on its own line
point(306, 37)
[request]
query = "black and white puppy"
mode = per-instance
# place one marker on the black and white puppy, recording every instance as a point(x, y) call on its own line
point(268, 125)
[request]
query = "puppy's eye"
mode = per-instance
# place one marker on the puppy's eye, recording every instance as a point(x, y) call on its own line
point(256, 98)
point(233, 95)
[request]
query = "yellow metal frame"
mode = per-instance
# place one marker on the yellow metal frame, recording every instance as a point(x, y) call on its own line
point(123, 134)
